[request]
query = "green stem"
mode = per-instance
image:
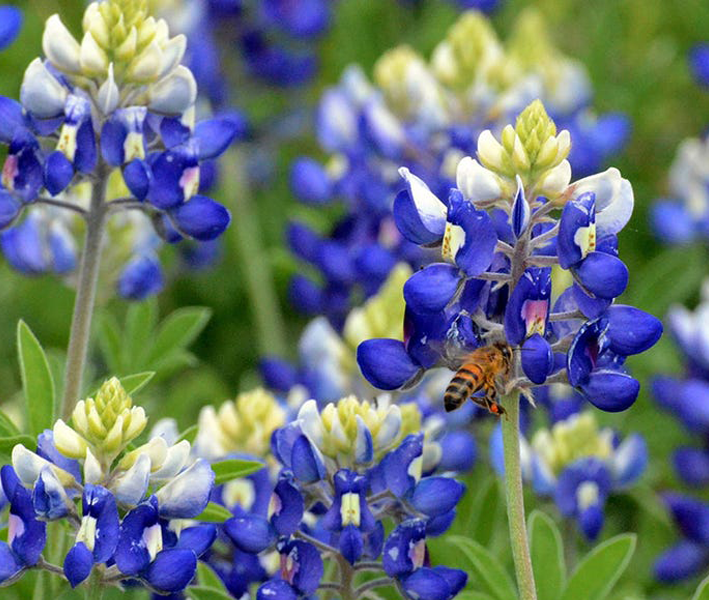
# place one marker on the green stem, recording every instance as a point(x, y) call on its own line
point(93, 589)
point(514, 493)
point(256, 267)
point(85, 295)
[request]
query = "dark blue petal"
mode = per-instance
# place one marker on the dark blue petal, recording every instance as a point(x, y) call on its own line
point(201, 218)
point(141, 277)
point(672, 222)
point(409, 222)
point(611, 391)
point(476, 253)
point(131, 554)
point(603, 275)
point(685, 559)
point(692, 465)
point(214, 136)
point(385, 363)
point(306, 464)
point(591, 521)
point(310, 182)
point(48, 497)
point(537, 359)
point(459, 451)
point(9, 209)
point(78, 564)
point(309, 566)
point(289, 507)
point(278, 374)
point(426, 584)
point(585, 349)
point(438, 525)
point(455, 578)
point(198, 538)
point(577, 214)
point(86, 155)
point(351, 544)
point(303, 241)
point(276, 590)
point(396, 557)
point(113, 137)
point(436, 495)
point(250, 533)
point(172, 570)
point(305, 19)
point(396, 465)
point(10, 118)
point(137, 177)
point(47, 449)
point(58, 173)
point(528, 308)
point(699, 63)
point(9, 567)
point(691, 516)
point(631, 330)
point(521, 213)
point(432, 288)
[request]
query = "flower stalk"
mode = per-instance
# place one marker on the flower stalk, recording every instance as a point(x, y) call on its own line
point(85, 294)
point(514, 494)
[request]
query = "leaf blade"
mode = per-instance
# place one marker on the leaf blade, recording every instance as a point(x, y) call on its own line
point(234, 468)
point(37, 380)
point(214, 513)
point(547, 552)
point(489, 574)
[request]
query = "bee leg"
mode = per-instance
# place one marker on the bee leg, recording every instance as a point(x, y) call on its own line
point(493, 405)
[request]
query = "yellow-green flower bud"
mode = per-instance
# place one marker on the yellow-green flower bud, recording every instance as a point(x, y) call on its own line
point(572, 439)
point(398, 73)
point(241, 425)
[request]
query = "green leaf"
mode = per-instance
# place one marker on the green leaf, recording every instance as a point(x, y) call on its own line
point(177, 331)
point(226, 470)
point(207, 593)
point(7, 427)
point(111, 344)
point(600, 569)
point(472, 595)
point(702, 592)
point(207, 578)
point(140, 323)
point(547, 550)
point(8, 443)
point(485, 513)
point(37, 381)
point(189, 434)
point(214, 513)
point(132, 384)
point(485, 567)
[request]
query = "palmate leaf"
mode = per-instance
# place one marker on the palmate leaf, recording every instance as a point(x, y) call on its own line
point(37, 381)
point(600, 569)
point(227, 470)
point(547, 552)
point(485, 567)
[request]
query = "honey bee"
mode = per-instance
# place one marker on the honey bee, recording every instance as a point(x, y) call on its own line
point(480, 370)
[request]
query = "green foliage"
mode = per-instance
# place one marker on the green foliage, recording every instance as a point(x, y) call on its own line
point(144, 344)
point(702, 592)
point(484, 569)
point(233, 468)
point(597, 573)
point(214, 513)
point(37, 381)
point(547, 552)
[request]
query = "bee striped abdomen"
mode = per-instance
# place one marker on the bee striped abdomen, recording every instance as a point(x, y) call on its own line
point(467, 381)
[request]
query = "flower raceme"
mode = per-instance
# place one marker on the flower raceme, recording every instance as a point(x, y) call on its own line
point(133, 501)
point(511, 226)
point(117, 101)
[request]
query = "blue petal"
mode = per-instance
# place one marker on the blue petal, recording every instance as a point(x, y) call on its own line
point(397, 463)
point(58, 173)
point(250, 533)
point(351, 544)
point(172, 570)
point(681, 561)
point(436, 495)
point(276, 590)
point(385, 363)
point(303, 241)
point(187, 495)
point(9, 567)
point(477, 251)
point(521, 212)
point(603, 275)
point(48, 496)
point(9, 209)
point(291, 507)
point(308, 565)
point(438, 525)
point(131, 554)
point(691, 516)
point(305, 19)
point(672, 222)
point(537, 359)
point(214, 136)
point(141, 277)
point(202, 218)
point(631, 330)
point(529, 302)
point(137, 177)
point(277, 374)
point(692, 465)
point(420, 211)
point(699, 63)
point(396, 558)
point(310, 182)
point(306, 464)
point(459, 451)
point(577, 214)
point(47, 449)
point(591, 521)
point(611, 391)
point(432, 288)
point(198, 538)
point(455, 578)
point(630, 460)
point(78, 564)
point(11, 118)
point(10, 24)
point(426, 584)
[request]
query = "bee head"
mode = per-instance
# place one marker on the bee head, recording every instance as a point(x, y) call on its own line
point(505, 349)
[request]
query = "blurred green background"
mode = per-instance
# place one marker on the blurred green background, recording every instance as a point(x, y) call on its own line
point(635, 51)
